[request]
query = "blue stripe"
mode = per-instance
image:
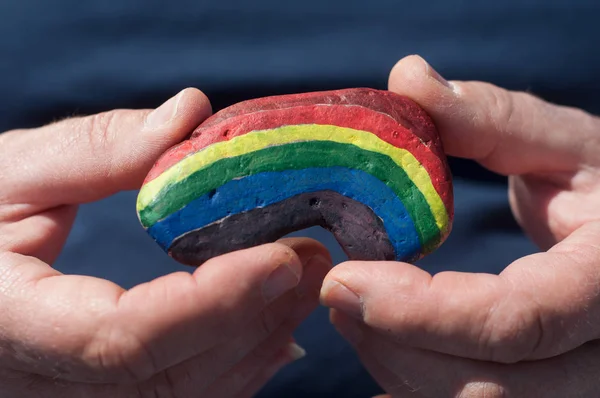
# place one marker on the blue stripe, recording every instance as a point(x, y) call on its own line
point(264, 189)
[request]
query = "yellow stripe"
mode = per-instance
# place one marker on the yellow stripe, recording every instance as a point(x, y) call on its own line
point(261, 139)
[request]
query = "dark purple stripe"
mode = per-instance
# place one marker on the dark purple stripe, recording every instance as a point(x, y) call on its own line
point(355, 226)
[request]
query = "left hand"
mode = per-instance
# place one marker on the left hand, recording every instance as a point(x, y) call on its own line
point(222, 331)
point(533, 330)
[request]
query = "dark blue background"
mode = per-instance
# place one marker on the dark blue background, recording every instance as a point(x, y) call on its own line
point(70, 57)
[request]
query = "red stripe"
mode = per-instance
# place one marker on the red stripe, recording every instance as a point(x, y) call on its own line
point(355, 117)
point(404, 110)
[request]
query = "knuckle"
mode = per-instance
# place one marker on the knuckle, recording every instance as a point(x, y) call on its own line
point(98, 134)
point(499, 114)
point(502, 108)
point(513, 331)
point(121, 355)
point(98, 130)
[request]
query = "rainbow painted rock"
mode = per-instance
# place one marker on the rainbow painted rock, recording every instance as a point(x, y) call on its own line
point(367, 165)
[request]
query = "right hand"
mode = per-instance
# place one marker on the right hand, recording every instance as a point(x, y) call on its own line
point(534, 329)
point(222, 331)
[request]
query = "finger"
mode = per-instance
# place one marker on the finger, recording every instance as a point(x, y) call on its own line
point(438, 375)
point(540, 306)
point(425, 373)
point(229, 291)
point(86, 158)
point(254, 369)
point(507, 132)
point(41, 235)
point(306, 247)
point(387, 380)
point(94, 330)
point(398, 387)
point(259, 381)
point(204, 373)
point(318, 263)
point(226, 363)
point(283, 358)
point(259, 339)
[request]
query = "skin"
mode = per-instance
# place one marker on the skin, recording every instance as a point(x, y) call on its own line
point(221, 331)
point(531, 331)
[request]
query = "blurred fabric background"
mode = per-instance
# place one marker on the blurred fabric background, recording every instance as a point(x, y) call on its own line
point(68, 57)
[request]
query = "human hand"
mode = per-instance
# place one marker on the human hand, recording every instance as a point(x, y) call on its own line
point(531, 331)
point(222, 331)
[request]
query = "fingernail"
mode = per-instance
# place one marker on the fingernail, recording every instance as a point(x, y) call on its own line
point(335, 295)
point(434, 74)
point(316, 262)
point(295, 352)
point(164, 113)
point(282, 279)
point(288, 354)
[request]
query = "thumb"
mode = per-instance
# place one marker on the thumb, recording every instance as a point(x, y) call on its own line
point(86, 158)
point(507, 132)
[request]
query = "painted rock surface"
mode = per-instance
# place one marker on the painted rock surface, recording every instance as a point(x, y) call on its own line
point(367, 165)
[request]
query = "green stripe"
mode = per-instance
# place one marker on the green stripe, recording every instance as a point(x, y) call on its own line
point(299, 155)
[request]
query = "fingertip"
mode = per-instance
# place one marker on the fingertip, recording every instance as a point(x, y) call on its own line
point(415, 78)
point(262, 259)
point(194, 103)
point(281, 267)
point(178, 115)
point(406, 69)
point(354, 273)
point(356, 286)
point(316, 262)
point(345, 274)
point(414, 70)
point(283, 254)
point(307, 248)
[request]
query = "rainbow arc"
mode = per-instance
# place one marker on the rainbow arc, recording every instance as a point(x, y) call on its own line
point(262, 168)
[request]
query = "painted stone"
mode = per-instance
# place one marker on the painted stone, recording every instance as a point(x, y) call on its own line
point(367, 165)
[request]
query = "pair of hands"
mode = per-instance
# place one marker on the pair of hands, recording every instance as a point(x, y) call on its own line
point(531, 331)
